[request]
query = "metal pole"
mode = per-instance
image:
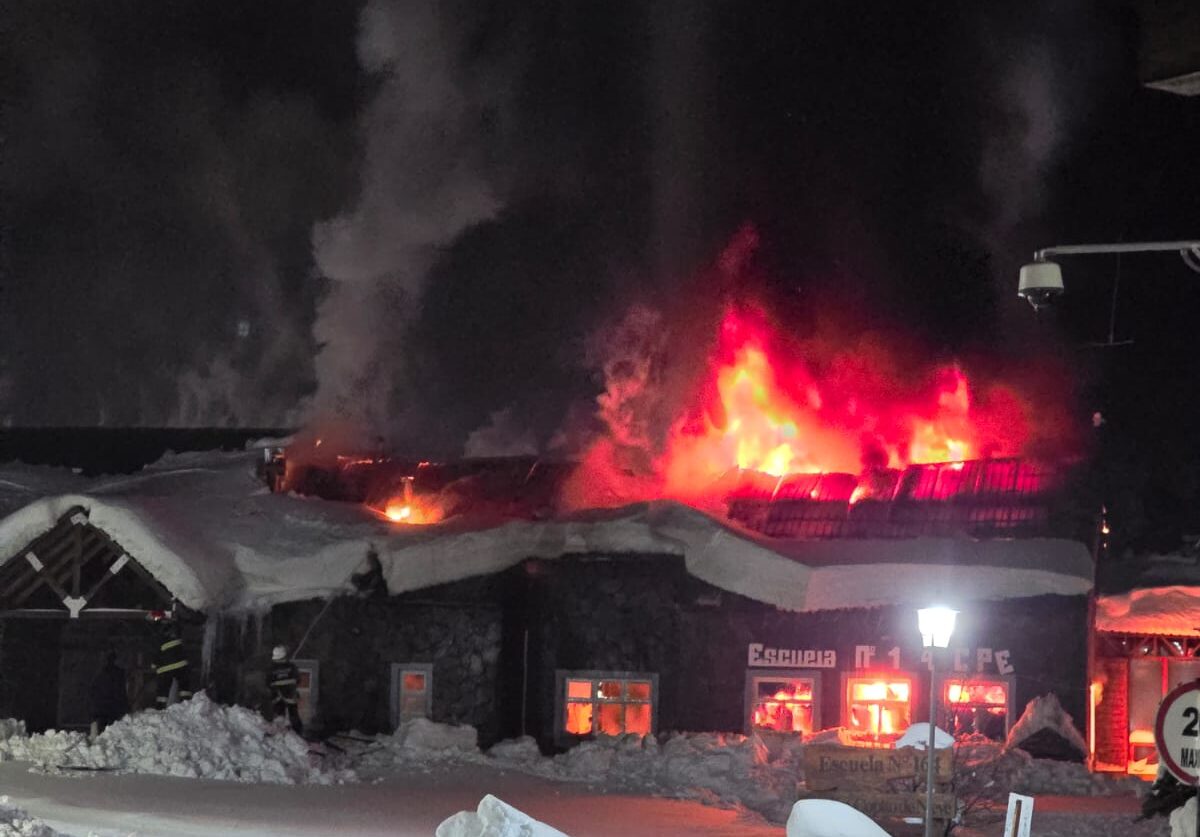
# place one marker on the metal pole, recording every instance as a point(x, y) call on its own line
point(1136, 247)
point(930, 749)
point(524, 678)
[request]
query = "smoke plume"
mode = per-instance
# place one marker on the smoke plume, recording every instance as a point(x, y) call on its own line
point(426, 178)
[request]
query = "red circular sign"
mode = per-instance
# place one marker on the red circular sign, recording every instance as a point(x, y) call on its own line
point(1177, 732)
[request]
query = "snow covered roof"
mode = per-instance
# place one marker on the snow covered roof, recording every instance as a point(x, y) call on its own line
point(1157, 611)
point(209, 531)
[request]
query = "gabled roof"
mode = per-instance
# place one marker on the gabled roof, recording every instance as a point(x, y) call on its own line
point(213, 535)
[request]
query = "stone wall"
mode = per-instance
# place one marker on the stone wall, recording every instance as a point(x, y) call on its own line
point(645, 613)
point(496, 644)
point(356, 641)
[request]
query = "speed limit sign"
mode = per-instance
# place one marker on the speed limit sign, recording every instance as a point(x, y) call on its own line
point(1177, 732)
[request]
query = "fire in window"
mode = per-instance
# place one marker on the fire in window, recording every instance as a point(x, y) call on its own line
point(600, 704)
point(782, 703)
point(977, 707)
point(878, 709)
point(412, 691)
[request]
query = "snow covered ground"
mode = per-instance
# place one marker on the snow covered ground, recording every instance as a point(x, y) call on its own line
point(414, 801)
point(407, 804)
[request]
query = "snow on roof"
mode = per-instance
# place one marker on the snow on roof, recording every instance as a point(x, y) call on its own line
point(1161, 611)
point(206, 528)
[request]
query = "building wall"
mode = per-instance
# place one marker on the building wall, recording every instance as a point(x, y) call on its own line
point(645, 613)
point(496, 644)
point(456, 628)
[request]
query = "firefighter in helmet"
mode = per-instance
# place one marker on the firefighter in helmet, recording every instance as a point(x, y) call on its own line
point(284, 682)
point(171, 668)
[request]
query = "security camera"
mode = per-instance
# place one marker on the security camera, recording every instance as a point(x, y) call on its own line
point(1041, 283)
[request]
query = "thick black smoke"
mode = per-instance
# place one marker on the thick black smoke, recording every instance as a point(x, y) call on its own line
point(413, 215)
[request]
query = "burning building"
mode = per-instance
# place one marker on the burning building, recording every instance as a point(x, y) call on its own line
point(789, 614)
point(751, 566)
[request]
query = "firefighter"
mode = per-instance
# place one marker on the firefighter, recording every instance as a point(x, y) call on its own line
point(171, 669)
point(284, 682)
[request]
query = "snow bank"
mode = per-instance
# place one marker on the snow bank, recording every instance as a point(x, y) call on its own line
point(419, 742)
point(729, 769)
point(494, 818)
point(14, 822)
point(196, 738)
point(1046, 713)
point(1183, 820)
point(827, 818)
point(1070, 778)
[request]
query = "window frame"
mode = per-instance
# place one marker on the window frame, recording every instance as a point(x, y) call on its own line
point(889, 675)
point(948, 677)
point(307, 705)
point(561, 676)
point(756, 675)
point(396, 692)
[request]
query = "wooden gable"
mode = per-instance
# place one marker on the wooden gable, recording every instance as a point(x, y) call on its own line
point(76, 570)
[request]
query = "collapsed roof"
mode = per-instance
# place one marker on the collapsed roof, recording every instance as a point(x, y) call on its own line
point(208, 530)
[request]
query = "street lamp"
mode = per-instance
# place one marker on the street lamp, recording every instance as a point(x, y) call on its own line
point(936, 625)
point(1041, 281)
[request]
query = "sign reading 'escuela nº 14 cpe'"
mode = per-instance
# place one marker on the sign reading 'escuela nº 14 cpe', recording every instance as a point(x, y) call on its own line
point(977, 660)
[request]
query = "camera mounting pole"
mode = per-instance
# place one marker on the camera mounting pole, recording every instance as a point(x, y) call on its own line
point(1189, 250)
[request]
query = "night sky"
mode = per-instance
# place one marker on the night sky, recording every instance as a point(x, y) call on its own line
point(253, 214)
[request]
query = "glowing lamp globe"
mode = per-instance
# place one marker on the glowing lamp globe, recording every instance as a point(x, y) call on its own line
point(936, 625)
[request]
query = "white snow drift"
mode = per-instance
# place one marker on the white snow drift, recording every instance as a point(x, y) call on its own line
point(494, 818)
point(196, 739)
point(827, 818)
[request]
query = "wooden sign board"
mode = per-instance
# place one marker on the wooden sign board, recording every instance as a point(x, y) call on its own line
point(883, 806)
point(830, 767)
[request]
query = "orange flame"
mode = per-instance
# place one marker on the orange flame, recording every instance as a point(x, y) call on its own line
point(411, 511)
point(779, 417)
point(789, 709)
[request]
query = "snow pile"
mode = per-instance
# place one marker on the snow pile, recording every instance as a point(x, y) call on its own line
point(826, 818)
point(917, 736)
point(494, 818)
point(418, 742)
point(197, 738)
point(1183, 820)
point(728, 769)
point(1069, 778)
point(14, 822)
point(1046, 713)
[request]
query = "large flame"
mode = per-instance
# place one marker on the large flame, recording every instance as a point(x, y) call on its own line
point(766, 411)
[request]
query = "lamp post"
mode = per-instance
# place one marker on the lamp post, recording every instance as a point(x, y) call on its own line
point(936, 625)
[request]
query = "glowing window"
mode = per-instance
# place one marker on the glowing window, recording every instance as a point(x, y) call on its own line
point(783, 704)
point(878, 708)
point(977, 707)
point(607, 705)
point(412, 692)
